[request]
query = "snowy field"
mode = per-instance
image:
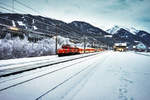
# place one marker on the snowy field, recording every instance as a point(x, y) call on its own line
point(105, 76)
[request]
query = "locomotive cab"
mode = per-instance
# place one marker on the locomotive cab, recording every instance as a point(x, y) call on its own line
point(67, 50)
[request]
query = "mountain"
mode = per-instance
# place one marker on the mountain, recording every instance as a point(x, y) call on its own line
point(129, 35)
point(93, 34)
point(75, 30)
point(87, 28)
point(116, 28)
point(145, 37)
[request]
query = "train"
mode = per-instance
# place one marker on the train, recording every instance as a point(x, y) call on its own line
point(70, 50)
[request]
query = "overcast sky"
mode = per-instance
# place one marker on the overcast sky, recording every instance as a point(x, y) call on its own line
point(101, 13)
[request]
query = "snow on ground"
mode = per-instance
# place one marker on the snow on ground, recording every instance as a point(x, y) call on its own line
point(18, 61)
point(8, 62)
point(122, 76)
point(15, 65)
point(38, 86)
point(106, 76)
point(143, 53)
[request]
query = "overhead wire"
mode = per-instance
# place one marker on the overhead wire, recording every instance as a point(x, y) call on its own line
point(41, 14)
point(58, 27)
point(9, 6)
point(40, 33)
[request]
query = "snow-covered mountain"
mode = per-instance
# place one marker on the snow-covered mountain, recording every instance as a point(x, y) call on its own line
point(116, 28)
point(129, 35)
point(93, 34)
point(74, 30)
point(87, 28)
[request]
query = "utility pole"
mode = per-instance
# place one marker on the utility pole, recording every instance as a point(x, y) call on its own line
point(56, 40)
point(84, 43)
point(99, 44)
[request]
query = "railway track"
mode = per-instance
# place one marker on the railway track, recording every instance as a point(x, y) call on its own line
point(4, 85)
point(20, 62)
point(14, 69)
point(58, 85)
point(85, 71)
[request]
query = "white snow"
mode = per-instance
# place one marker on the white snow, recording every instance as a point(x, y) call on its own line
point(21, 23)
point(15, 65)
point(143, 35)
point(33, 21)
point(108, 36)
point(34, 92)
point(116, 28)
point(106, 76)
point(13, 23)
point(120, 44)
point(35, 28)
point(16, 61)
point(118, 78)
point(113, 30)
point(75, 24)
point(64, 41)
point(132, 30)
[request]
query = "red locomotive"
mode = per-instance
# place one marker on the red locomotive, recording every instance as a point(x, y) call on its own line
point(68, 50)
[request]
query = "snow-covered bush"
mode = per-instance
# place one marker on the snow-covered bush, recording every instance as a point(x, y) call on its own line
point(17, 48)
point(64, 41)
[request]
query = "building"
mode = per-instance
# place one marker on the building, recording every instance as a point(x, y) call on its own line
point(120, 47)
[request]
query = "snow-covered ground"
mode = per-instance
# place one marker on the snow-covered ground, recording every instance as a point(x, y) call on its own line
point(143, 53)
point(122, 76)
point(106, 76)
point(16, 65)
